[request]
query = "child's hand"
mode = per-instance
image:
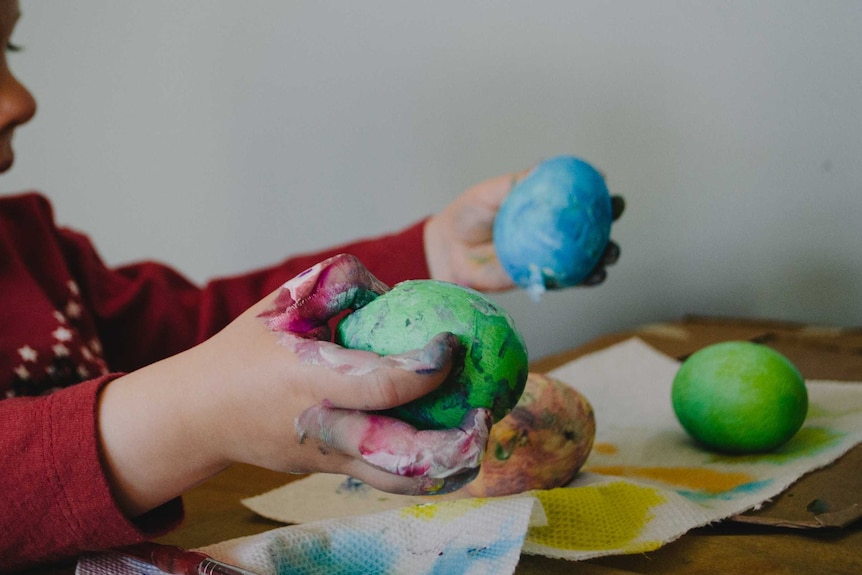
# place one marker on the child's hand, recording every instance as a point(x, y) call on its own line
point(459, 242)
point(436, 461)
point(289, 401)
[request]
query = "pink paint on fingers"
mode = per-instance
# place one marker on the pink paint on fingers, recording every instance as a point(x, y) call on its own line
point(399, 448)
point(431, 453)
point(306, 303)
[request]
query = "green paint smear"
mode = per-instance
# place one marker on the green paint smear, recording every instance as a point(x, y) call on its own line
point(816, 411)
point(503, 453)
point(807, 441)
point(597, 517)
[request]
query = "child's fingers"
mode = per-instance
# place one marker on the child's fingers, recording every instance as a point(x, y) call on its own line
point(493, 191)
point(356, 379)
point(305, 304)
point(618, 206)
point(396, 447)
point(385, 481)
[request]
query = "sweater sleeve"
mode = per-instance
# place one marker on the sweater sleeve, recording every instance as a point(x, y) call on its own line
point(392, 258)
point(57, 502)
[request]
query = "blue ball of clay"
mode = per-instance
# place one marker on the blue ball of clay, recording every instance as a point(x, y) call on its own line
point(553, 227)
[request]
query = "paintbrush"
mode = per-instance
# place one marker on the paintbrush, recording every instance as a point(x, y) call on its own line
point(178, 561)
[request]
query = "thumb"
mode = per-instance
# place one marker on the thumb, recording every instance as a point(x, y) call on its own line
point(357, 379)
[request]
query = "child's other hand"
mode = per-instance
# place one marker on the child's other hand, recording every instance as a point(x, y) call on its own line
point(459, 241)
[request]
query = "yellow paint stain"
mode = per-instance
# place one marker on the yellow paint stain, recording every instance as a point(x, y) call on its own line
point(695, 478)
point(605, 448)
point(597, 517)
point(445, 510)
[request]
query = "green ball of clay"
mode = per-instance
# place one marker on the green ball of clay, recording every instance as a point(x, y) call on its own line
point(493, 371)
point(739, 397)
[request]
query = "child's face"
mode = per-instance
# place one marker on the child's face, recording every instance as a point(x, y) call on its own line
point(17, 106)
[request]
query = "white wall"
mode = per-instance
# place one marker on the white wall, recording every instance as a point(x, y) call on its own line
point(222, 135)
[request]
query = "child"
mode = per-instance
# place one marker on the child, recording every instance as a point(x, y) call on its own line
point(122, 388)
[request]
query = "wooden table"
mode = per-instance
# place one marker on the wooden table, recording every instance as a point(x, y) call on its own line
point(214, 512)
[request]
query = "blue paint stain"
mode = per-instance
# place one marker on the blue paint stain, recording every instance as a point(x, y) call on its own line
point(336, 553)
point(458, 559)
point(730, 494)
point(353, 485)
point(348, 552)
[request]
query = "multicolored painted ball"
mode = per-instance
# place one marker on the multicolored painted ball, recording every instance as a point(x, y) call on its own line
point(541, 444)
point(553, 227)
point(739, 397)
point(494, 368)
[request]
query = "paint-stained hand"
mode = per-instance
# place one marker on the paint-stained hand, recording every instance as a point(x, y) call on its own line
point(436, 462)
point(270, 390)
point(612, 250)
point(349, 386)
point(459, 241)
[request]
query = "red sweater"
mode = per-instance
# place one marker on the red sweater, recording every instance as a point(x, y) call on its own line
point(68, 325)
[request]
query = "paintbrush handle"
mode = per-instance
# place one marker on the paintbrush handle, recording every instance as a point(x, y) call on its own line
point(178, 561)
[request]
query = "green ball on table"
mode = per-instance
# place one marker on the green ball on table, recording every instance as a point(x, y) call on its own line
point(739, 397)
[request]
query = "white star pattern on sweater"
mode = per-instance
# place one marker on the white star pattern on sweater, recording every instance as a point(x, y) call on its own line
point(62, 334)
point(46, 366)
point(60, 350)
point(27, 353)
point(73, 310)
